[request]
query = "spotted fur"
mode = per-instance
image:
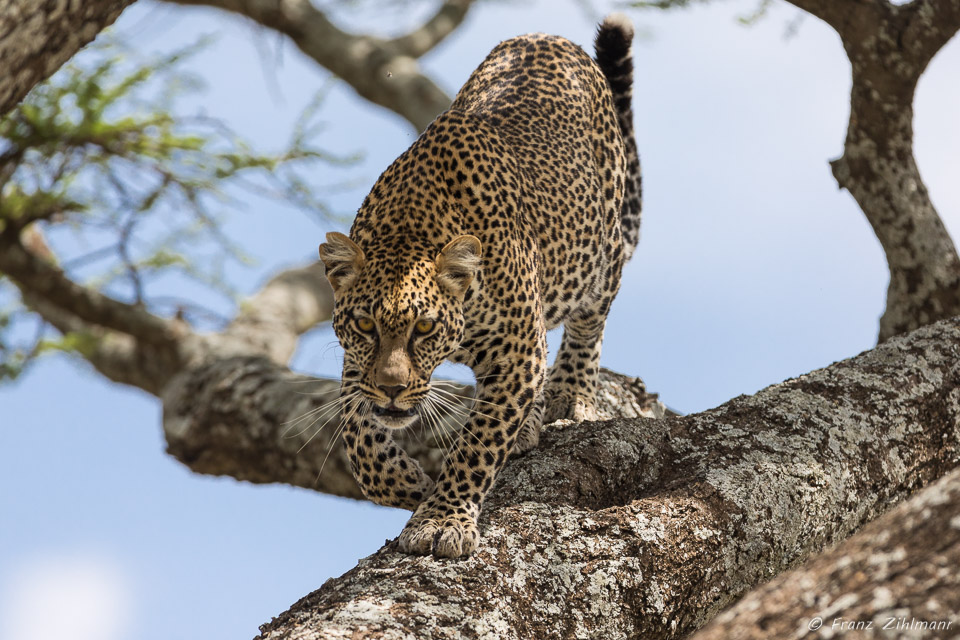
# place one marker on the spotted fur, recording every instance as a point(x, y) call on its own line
point(512, 213)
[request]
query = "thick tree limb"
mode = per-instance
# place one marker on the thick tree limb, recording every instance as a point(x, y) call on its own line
point(239, 417)
point(896, 578)
point(434, 31)
point(889, 47)
point(270, 322)
point(384, 72)
point(38, 36)
point(931, 24)
point(647, 528)
point(119, 355)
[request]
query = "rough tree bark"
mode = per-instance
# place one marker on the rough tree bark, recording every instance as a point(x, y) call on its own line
point(896, 578)
point(889, 47)
point(38, 36)
point(647, 528)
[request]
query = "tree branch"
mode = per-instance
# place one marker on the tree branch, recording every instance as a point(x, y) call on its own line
point(253, 420)
point(931, 24)
point(237, 410)
point(38, 36)
point(270, 322)
point(844, 15)
point(889, 47)
point(647, 528)
point(384, 72)
point(431, 33)
point(898, 573)
point(42, 279)
point(118, 356)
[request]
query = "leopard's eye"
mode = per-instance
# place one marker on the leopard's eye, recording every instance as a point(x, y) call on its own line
point(365, 324)
point(424, 327)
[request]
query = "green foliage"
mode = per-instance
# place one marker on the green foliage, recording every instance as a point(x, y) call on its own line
point(128, 192)
point(12, 356)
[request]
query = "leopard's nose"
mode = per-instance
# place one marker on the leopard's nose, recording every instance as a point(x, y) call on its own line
point(392, 391)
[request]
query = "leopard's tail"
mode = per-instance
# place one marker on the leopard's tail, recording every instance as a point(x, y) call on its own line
point(615, 58)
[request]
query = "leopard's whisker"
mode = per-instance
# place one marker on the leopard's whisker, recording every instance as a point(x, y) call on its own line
point(473, 409)
point(344, 420)
point(433, 420)
point(333, 442)
point(324, 411)
point(465, 429)
point(425, 410)
point(458, 413)
point(336, 400)
point(344, 400)
point(314, 394)
point(448, 383)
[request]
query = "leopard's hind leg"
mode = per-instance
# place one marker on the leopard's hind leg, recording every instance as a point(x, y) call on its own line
point(529, 436)
point(571, 389)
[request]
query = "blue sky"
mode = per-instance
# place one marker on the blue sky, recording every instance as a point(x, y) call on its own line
point(753, 267)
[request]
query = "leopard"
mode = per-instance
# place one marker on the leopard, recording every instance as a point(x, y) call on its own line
point(512, 213)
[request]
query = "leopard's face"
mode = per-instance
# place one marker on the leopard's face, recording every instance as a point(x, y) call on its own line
point(397, 320)
point(393, 343)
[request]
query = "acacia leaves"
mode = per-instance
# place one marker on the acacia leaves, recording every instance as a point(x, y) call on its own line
point(122, 190)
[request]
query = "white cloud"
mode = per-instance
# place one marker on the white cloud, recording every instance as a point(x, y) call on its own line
point(69, 597)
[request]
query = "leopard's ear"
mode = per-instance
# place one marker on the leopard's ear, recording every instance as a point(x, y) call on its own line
point(343, 259)
point(458, 264)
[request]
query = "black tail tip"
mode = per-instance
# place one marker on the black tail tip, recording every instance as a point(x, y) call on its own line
point(615, 33)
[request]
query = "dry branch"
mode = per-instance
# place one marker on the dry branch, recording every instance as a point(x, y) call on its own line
point(45, 280)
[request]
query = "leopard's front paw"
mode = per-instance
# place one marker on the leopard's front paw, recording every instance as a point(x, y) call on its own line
point(448, 536)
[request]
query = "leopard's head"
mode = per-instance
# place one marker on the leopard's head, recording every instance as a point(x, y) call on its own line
point(398, 313)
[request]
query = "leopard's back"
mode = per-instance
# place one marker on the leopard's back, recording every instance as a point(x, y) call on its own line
point(549, 106)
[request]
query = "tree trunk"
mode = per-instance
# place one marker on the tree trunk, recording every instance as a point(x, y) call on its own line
point(647, 528)
point(38, 36)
